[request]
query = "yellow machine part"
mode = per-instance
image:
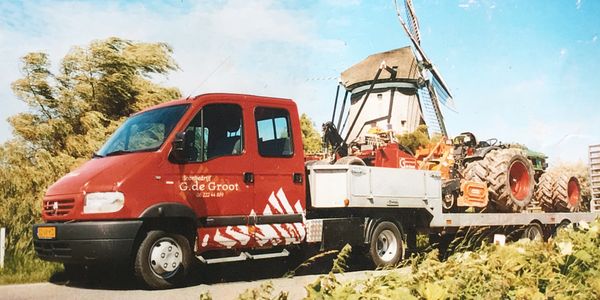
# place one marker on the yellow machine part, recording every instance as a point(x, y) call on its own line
point(436, 158)
point(473, 194)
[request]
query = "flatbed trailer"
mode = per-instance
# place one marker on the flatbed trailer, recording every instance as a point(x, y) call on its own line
point(418, 192)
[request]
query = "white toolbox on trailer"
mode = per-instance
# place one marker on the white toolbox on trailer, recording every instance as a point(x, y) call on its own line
point(373, 187)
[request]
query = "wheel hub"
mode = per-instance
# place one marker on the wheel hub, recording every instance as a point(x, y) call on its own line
point(519, 180)
point(573, 191)
point(387, 245)
point(165, 257)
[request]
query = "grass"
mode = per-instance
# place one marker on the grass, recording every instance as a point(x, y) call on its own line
point(26, 268)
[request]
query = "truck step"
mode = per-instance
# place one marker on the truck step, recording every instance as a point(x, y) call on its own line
point(242, 256)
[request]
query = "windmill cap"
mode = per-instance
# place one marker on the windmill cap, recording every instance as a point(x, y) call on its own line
point(402, 60)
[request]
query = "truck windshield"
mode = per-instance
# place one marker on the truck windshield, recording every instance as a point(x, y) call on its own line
point(146, 131)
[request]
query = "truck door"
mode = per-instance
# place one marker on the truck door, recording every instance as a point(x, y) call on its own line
point(278, 178)
point(212, 179)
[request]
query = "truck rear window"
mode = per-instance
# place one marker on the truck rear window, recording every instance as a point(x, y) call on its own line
point(274, 132)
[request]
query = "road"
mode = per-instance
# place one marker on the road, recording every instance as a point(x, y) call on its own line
point(229, 290)
point(224, 281)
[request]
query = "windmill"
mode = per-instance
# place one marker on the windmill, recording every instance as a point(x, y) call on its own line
point(406, 91)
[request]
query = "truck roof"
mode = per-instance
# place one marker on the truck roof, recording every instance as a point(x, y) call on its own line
point(230, 96)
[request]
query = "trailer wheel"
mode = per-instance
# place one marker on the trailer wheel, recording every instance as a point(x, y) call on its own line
point(561, 226)
point(163, 259)
point(387, 246)
point(533, 232)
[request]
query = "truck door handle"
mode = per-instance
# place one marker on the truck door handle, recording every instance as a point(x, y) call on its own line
point(297, 178)
point(248, 177)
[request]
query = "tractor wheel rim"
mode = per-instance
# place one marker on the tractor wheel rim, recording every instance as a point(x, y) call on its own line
point(165, 257)
point(387, 245)
point(573, 192)
point(519, 180)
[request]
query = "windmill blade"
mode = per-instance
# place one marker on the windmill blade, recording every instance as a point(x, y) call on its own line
point(444, 98)
point(413, 22)
point(426, 62)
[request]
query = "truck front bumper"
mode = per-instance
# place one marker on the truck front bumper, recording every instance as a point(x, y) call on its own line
point(86, 242)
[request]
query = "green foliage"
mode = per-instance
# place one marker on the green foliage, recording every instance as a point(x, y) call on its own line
point(27, 268)
point(416, 139)
point(263, 292)
point(71, 112)
point(311, 139)
point(566, 267)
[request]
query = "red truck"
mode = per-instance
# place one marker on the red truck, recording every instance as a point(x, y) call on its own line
point(222, 177)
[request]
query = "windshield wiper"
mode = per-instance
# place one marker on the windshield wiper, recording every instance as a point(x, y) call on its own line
point(118, 152)
point(94, 155)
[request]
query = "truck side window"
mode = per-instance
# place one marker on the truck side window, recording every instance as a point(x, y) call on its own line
point(274, 134)
point(215, 131)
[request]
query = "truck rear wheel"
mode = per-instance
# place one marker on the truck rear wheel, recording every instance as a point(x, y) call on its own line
point(510, 179)
point(387, 246)
point(163, 259)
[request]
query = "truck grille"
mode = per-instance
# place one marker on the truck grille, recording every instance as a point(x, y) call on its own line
point(52, 249)
point(57, 207)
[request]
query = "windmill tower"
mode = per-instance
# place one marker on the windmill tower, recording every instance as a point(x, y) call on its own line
point(399, 100)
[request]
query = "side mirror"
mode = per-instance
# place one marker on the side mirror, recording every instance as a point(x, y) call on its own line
point(178, 150)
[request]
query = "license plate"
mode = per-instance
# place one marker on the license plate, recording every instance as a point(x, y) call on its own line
point(46, 233)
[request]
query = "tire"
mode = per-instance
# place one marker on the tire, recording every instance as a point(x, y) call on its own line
point(163, 259)
point(316, 163)
point(566, 193)
point(387, 246)
point(543, 192)
point(475, 171)
point(510, 179)
point(350, 160)
point(561, 226)
point(533, 232)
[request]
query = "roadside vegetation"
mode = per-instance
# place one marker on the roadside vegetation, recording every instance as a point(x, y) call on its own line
point(565, 267)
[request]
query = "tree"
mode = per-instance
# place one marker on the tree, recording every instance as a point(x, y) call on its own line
point(416, 139)
point(71, 112)
point(311, 139)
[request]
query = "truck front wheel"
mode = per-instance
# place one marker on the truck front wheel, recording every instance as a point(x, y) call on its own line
point(387, 246)
point(163, 259)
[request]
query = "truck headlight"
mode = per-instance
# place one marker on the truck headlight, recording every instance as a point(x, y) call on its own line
point(105, 202)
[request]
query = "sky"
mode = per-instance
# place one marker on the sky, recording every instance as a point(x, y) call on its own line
point(519, 71)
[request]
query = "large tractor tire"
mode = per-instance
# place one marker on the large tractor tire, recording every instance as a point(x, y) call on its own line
point(510, 179)
point(543, 192)
point(350, 160)
point(566, 193)
point(475, 171)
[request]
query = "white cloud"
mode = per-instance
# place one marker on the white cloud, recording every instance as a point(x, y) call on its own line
point(257, 47)
point(578, 4)
point(563, 52)
point(468, 3)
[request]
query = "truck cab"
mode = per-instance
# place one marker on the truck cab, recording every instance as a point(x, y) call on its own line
point(180, 179)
